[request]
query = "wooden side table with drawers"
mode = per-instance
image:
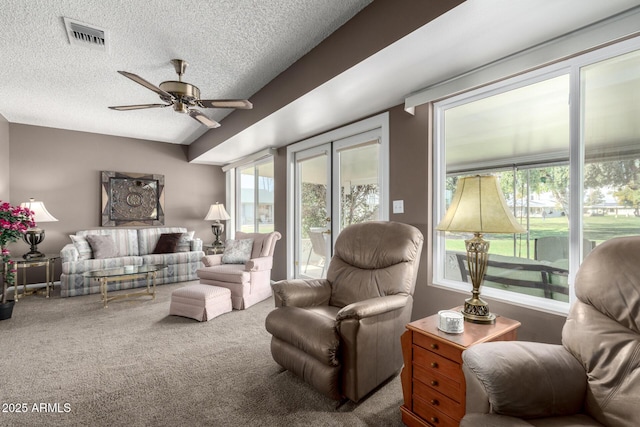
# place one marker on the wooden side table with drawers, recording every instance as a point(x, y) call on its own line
point(432, 380)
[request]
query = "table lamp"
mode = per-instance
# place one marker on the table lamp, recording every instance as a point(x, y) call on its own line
point(479, 207)
point(215, 214)
point(35, 236)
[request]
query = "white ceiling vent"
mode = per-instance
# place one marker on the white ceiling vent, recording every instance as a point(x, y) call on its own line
point(86, 35)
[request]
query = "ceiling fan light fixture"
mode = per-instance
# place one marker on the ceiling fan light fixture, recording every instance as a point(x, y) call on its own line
point(180, 107)
point(182, 96)
point(181, 89)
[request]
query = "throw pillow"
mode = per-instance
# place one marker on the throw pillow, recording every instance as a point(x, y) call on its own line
point(81, 244)
point(184, 245)
point(102, 246)
point(237, 251)
point(167, 243)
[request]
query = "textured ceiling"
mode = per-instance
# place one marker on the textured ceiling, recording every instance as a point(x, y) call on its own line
point(234, 47)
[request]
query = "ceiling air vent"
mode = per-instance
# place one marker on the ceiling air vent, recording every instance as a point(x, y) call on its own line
point(82, 34)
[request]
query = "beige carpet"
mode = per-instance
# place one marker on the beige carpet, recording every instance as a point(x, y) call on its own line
point(68, 361)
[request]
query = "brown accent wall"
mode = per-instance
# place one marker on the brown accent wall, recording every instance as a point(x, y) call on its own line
point(62, 168)
point(279, 271)
point(4, 159)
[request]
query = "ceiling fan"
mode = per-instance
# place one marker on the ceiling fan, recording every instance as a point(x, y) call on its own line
point(182, 96)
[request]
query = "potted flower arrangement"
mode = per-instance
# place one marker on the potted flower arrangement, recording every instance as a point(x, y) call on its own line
point(14, 222)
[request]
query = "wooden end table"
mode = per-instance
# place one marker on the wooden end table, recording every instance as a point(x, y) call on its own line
point(433, 383)
point(119, 274)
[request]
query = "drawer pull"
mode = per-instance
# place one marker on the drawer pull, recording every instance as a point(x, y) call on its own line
point(434, 364)
point(435, 402)
point(434, 346)
point(435, 420)
point(434, 383)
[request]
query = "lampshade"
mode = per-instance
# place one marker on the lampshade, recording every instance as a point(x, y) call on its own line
point(217, 213)
point(40, 212)
point(478, 206)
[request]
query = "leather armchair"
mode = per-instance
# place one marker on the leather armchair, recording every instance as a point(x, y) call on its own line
point(592, 379)
point(249, 283)
point(342, 334)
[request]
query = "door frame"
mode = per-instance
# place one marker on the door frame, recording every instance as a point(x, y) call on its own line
point(379, 122)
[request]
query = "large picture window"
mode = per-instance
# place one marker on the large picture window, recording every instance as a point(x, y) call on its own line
point(565, 145)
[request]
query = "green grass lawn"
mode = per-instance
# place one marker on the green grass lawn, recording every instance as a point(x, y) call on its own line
point(596, 228)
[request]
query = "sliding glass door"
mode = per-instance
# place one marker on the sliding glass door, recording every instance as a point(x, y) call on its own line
point(313, 208)
point(337, 184)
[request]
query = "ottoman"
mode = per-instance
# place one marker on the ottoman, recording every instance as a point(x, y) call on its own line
point(200, 302)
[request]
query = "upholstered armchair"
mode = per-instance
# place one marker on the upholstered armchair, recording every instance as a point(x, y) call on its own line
point(250, 281)
point(592, 379)
point(342, 334)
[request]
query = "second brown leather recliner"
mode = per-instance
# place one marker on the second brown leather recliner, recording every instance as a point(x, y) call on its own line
point(342, 334)
point(592, 379)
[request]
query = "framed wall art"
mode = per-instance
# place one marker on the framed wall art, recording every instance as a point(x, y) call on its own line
point(132, 199)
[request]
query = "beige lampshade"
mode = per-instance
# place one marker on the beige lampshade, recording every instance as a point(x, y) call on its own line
point(217, 213)
point(478, 206)
point(41, 214)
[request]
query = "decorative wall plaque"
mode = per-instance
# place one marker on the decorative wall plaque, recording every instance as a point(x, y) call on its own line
point(132, 199)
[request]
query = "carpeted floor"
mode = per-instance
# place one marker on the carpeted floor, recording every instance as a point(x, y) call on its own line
point(68, 361)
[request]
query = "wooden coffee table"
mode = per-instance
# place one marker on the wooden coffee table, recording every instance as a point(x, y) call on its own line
point(119, 274)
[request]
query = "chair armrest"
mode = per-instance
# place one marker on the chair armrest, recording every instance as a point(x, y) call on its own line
point(301, 293)
point(372, 307)
point(556, 380)
point(211, 260)
point(69, 253)
point(259, 264)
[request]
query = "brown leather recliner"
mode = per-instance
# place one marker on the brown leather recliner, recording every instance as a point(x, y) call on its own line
point(342, 334)
point(592, 379)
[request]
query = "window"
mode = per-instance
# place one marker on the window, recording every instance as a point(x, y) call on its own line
point(564, 142)
point(254, 197)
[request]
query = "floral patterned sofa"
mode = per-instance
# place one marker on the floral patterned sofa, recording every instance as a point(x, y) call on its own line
point(134, 246)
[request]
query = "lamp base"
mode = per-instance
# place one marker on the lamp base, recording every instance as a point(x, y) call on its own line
point(477, 311)
point(33, 237)
point(33, 255)
point(217, 228)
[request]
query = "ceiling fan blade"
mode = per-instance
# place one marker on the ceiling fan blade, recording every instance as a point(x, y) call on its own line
point(138, 107)
point(197, 115)
point(242, 104)
point(136, 78)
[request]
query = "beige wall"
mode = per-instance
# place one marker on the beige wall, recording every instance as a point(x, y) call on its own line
point(4, 159)
point(62, 168)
